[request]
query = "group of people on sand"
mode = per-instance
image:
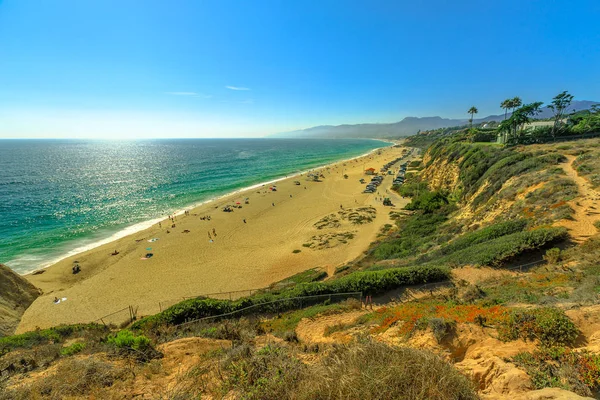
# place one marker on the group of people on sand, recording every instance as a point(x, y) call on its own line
point(214, 234)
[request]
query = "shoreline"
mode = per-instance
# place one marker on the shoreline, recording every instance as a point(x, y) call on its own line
point(276, 235)
point(146, 224)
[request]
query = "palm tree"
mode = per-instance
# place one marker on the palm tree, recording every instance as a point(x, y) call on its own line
point(515, 103)
point(473, 110)
point(505, 105)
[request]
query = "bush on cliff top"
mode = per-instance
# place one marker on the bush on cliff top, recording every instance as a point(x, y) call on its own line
point(484, 235)
point(504, 248)
point(548, 325)
point(368, 282)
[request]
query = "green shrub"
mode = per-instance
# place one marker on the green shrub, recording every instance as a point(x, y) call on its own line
point(553, 255)
point(428, 201)
point(56, 334)
point(548, 325)
point(414, 235)
point(483, 137)
point(367, 282)
point(126, 340)
point(577, 371)
point(72, 349)
point(411, 187)
point(502, 249)
point(484, 235)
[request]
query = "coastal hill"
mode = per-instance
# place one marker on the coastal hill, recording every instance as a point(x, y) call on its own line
point(408, 126)
point(16, 294)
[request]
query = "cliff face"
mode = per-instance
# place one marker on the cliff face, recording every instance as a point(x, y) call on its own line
point(490, 182)
point(441, 173)
point(16, 294)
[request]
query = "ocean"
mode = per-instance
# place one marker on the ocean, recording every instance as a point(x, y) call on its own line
point(61, 197)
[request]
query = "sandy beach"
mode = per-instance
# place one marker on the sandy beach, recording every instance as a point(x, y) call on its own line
point(276, 235)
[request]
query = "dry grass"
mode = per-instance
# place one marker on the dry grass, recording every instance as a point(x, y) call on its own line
point(360, 370)
point(72, 378)
point(370, 371)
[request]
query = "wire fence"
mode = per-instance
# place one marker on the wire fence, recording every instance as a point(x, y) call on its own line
point(408, 293)
point(277, 306)
point(231, 295)
point(120, 317)
point(129, 314)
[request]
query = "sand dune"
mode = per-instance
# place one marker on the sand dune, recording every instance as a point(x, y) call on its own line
point(243, 255)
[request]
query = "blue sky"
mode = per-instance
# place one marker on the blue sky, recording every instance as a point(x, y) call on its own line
point(146, 68)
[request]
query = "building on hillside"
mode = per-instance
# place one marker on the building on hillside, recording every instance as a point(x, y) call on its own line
point(531, 126)
point(538, 124)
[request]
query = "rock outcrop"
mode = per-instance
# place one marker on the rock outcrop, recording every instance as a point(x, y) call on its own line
point(16, 294)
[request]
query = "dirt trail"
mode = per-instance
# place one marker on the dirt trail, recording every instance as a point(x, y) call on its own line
point(312, 330)
point(585, 206)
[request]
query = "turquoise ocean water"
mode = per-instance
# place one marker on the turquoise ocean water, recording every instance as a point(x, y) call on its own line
point(60, 197)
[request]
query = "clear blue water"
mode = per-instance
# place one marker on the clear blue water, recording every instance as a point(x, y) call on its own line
point(58, 197)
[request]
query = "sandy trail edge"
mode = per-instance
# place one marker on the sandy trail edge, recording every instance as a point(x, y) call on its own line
point(243, 255)
point(585, 205)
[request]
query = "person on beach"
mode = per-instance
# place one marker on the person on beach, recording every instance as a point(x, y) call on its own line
point(210, 237)
point(244, 220)
point(159, 225)
point(214, 232)
point(273, 204)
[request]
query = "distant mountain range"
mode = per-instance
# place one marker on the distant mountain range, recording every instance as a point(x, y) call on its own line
point(408, 126)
